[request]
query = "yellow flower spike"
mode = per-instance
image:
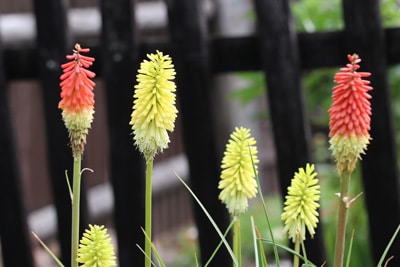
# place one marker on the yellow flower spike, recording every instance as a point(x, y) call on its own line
point(300, 211)
point(154, 110)
point(95, 249)
point(238, 182)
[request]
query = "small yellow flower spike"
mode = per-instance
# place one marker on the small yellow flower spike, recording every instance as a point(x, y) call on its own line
point(95, 249)
point(238, 181)
point(301, 204)
point(154, 110)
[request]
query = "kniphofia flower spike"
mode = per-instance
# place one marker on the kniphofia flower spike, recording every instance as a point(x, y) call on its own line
point(300, 211)
point(154, 110)
point(238, 182)
point(77, 97)
point(350, 115)
point(95, 248)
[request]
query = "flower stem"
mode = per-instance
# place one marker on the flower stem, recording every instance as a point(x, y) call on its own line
point(76, 190)
point(296, 260)
point(342, 219)
point(236, 241)
point(148, 198)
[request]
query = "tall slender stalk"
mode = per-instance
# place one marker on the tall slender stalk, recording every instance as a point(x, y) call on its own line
point(237, 241)
point(296, 260)
point(342, 219)
point(76, 192)
point(148, 200)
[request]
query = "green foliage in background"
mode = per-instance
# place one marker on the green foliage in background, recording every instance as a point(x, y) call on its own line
point(315, 15)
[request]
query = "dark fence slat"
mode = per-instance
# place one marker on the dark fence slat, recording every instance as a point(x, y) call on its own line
point(278, 49)
point(120, 62)
point(52, 40)
point(392, 42)
point(14, 235)
point(187, 28)
point(365, 36)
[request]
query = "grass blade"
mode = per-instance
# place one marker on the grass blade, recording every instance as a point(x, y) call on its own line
point(220, 244)
point(261, 249)
point(154, 249)
point(256, 257)
point(388, 246)
point(274, 245)
point(228, 247)
point(48, 250)
point(350, 249)
point(310, 264)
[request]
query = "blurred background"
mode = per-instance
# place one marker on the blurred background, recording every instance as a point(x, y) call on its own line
point(240, 98)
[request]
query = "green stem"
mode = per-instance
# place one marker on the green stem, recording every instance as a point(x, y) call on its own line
point(236, 241)
point(296, 260)
point(76, 191)
point(342, 219)
point(148, 198)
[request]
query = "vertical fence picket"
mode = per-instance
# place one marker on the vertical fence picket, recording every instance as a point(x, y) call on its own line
point(51, 47)
point(279, 52)
point(188, 36)
point(365, 36)
point(120, 58)
point(14, 235)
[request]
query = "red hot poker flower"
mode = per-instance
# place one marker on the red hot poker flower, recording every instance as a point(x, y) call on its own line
point(77, 97)
point(350, 115)
point(76, 86)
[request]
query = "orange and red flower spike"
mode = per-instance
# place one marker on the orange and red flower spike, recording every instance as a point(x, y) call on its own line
point(350, 115)
point(77, 97)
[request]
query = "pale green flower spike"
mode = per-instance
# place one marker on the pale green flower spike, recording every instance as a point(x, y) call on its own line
point(301, 204)
point(95, 248)
point(238, 182)
point(154, 110)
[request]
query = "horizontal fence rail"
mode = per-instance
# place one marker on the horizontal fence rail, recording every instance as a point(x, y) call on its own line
point(228, 54)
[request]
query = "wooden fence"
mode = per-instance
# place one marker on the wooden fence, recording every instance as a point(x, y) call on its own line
point(276, 49)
